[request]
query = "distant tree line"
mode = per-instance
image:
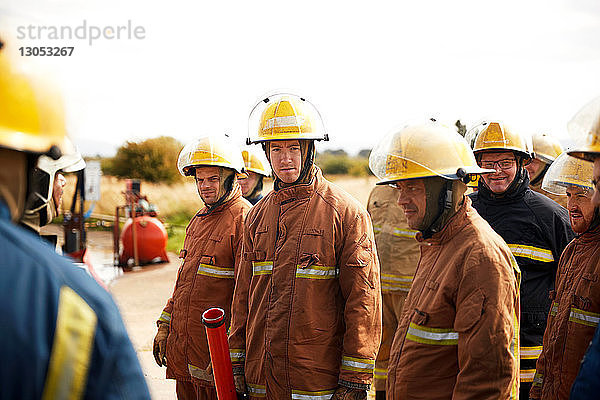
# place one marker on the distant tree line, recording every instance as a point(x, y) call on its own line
point(152, 160)
point(155, 160)
point(338, 162)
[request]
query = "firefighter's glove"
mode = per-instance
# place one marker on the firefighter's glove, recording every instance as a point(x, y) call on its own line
point(345, 393)
point(206, 374)
point(240, 384)
point(159, 348)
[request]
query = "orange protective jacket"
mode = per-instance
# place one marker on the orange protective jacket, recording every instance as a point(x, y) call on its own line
point(397, 248)
point(399, 255)
point(573, 318)
point(205, 279)
point(307, 303)
point(458, 338)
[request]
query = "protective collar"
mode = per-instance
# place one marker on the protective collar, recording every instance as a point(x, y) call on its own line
point(227, 184)
point(595, 221)
point(443, 199)
point(258, 187)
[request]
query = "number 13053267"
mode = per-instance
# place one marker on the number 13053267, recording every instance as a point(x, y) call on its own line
point(46, 51)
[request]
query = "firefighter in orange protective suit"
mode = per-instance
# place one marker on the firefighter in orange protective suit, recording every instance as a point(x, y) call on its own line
point(256, 171)
point(307, 304)
point(206, 277)
point(545, 148)
point(458, 337)
point(398, 253)
point(575, 310)
point(585, 129)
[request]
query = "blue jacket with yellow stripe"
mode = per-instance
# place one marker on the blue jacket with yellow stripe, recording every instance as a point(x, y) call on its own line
point(536, 230)
point(587, 384)
point(61, 334)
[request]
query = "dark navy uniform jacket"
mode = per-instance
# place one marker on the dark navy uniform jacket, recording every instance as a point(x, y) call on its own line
point(587, 384)
point(61, 334)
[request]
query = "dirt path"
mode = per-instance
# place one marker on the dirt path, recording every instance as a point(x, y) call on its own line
point(141, 296)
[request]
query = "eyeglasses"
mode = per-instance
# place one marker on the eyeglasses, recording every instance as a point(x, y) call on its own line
point(502, 164)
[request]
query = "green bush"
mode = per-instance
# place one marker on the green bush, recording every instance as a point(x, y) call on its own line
point(335, 165)
point(343, 165)
point(152, 160)
point(176, 224)
point(360, 167)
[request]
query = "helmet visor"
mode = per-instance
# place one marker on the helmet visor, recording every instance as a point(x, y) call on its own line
point(568, 171)
point(584, 128)
point(217, 151)
point(420, 151)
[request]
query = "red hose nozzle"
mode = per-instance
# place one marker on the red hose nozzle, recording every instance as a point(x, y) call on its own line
point(214, 320)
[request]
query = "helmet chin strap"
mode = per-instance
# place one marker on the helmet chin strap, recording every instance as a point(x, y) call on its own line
point(308, 155)
point(258, 187)
point(442, 206)
point(444, 197)
point(226, 185)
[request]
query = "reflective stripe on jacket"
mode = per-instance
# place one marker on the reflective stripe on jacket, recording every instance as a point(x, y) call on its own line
point(399, 254)
point(307, 303)
point(458, 338)
point(397, 248)
point(573, 317)
point(205, 279)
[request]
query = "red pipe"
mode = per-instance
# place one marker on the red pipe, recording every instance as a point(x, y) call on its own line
point(214, 320)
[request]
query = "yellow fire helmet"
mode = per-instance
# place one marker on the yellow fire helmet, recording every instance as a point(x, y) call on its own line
point(421, 151)
point(473, 182)
point(496, 136)
point(31, 110)
point(585, 129)
point(568, 171)
point(546, 147)
point(285, 116)
point(215, 151)
point(254, 161)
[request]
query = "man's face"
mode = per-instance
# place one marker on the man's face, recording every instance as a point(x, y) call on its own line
point(596, 182)
point(535, 167)
point(248, 183)
point(505, 165)
point(581, 209)
point(208, 181)
point(286, 159)
point(57, 189)
point(412, 197)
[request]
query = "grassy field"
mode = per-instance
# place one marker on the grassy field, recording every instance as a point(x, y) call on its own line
point(177, 203)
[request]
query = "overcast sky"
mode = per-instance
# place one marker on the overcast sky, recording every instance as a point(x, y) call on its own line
point(367, 66)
